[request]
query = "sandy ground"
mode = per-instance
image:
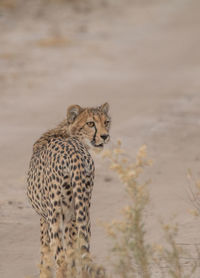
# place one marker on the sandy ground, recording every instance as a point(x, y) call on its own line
point(140, 56)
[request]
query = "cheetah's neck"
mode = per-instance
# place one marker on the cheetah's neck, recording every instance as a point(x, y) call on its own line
point(60, 131)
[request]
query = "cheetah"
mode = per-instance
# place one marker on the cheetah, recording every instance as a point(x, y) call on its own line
point(60, 182)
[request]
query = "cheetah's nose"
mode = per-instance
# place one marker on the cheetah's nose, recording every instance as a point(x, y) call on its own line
point(104, 136)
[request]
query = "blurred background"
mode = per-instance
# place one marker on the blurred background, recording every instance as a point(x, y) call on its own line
point(141, 56)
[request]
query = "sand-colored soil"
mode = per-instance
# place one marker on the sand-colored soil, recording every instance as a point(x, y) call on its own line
point(143, 58)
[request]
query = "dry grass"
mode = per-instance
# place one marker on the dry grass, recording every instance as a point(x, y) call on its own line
point(131, 252)
point(7, 56)
point(54, 42)
point(132, 255)
point(81, 265)
point(12, 5)
point(76, 264)
point(8, 4)
point(194, 193)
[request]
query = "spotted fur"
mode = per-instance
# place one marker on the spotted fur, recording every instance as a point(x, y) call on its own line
point(60, 181)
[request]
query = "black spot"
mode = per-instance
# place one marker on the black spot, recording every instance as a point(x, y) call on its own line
point(64, 203)
point(53, 220)
point(66, 185)
point(76, 206)
point(69, 192)
point(56, 235)
point(77, 178)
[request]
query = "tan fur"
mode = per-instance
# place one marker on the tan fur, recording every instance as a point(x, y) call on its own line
point(60, 131)
point(68, 128)
point(59, 186)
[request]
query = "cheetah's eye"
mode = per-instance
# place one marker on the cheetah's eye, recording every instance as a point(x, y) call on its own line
point(90, 124)
point(106, 123)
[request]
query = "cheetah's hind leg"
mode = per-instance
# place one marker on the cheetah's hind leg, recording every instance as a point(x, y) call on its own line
point(47, 264)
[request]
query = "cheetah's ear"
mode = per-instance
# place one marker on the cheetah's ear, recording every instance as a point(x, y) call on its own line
point(104, 108)
point(72, 112)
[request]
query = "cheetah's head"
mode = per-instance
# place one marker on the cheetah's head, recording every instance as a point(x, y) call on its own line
point(90, 124)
